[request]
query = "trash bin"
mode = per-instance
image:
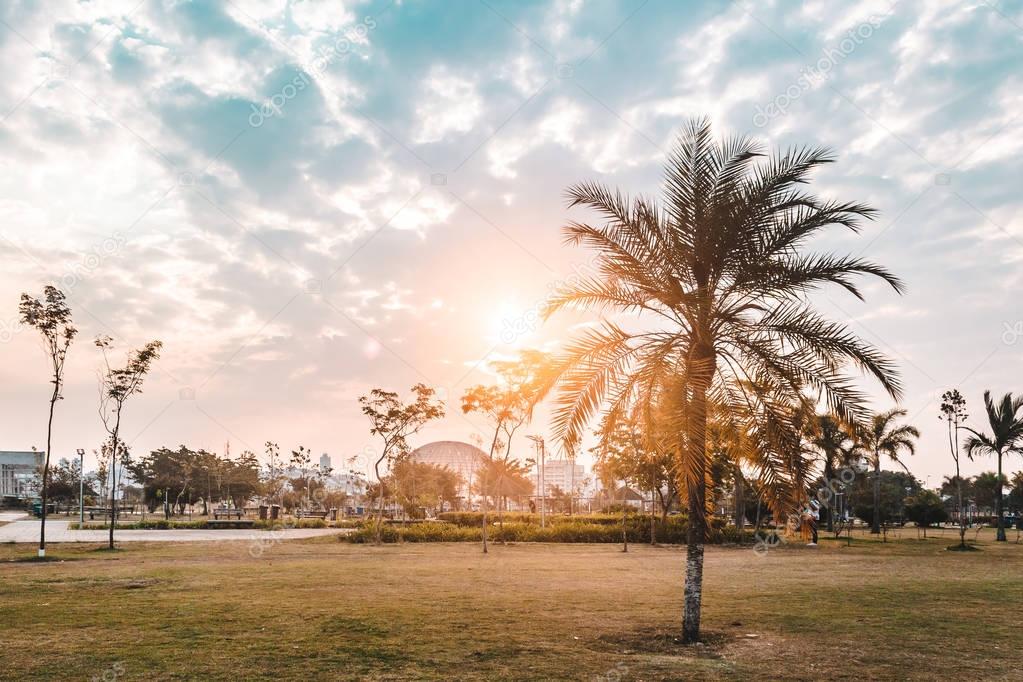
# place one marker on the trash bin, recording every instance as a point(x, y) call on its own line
point(275, 512)
point(262, 512)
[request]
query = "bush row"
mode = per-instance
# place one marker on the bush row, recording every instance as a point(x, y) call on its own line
point(476, 518)
point(148, 524)
point(165, 524)
point(638, 531)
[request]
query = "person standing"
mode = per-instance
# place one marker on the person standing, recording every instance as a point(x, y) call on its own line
point(813, 516)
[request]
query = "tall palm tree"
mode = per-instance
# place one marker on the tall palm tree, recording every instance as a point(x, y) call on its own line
point(714, 284)
point(836, 446)
point(884, 436)
point(1006, 423)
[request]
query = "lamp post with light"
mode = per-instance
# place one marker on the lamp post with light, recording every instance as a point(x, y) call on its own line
point(81, 486)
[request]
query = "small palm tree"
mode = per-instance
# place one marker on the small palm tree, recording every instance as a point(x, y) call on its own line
point(960, 488)
point(1006, 423)
point(884, 436)
point(715, 281)
point(836, 446)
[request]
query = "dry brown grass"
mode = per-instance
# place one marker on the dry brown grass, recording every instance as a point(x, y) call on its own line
point(323, 609)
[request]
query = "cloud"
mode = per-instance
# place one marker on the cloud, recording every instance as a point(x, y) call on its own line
point(447, 104)
point(365, 231)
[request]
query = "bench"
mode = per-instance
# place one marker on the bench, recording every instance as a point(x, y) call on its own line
point(217, 513)
point(305, 514)
point(230, 523)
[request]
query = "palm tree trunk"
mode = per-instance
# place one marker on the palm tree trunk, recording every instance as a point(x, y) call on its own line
point(739, 495)
point(696, 487)
point(829, 508)
point(1000, 536)
point(875, 525)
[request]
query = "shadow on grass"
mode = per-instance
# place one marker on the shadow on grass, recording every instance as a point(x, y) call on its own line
point(961, 548)
point(70, 553)
point(33, 559)
point(662, 642)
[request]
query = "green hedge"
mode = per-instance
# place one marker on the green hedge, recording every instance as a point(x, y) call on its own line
point(165, 524)
point(638, 530)
point(299, 523)
point(476, 518)
point(153, 524)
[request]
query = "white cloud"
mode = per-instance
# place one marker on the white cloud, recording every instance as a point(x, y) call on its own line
point(310, 15)
point(448, 104)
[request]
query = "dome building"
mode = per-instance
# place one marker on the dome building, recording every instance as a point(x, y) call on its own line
point(462, 458)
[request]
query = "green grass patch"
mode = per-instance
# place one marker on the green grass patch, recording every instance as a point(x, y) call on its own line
point(320, 609)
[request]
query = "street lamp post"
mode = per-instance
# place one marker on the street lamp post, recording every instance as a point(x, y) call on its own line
point(81, 486)
point(541, 450)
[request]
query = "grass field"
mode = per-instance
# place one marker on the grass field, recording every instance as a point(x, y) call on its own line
point(323, 609)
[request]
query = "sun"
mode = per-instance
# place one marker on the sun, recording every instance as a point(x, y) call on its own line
point(511, 322)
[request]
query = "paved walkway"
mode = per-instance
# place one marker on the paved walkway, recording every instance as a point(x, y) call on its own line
point(58, 531)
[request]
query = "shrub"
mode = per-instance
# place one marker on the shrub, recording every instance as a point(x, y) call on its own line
point(430, 531)
point(285, 524)
point(165, 525)
point(148, 524)
point(476, 518)
point(565, 529)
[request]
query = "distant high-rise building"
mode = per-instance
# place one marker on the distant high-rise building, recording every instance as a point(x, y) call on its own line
point(325, 464)
point(563, 474)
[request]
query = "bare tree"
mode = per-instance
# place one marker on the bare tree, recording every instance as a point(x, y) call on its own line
point(953, 412)
point(394, 422)
point(274, 472)
point(52, 319)
point(300, 460)
point(117, 384)
point(508, 406)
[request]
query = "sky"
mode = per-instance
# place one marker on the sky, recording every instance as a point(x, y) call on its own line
point(307, 200)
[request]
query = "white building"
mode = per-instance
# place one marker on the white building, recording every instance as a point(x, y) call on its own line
point(352, 483)
point(19, 473)
point(563, 474)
